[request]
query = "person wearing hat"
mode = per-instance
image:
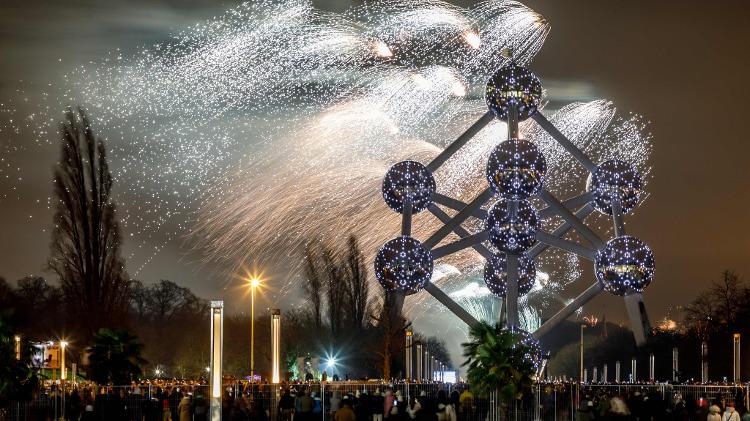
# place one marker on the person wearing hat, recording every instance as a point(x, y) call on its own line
point(730, 414)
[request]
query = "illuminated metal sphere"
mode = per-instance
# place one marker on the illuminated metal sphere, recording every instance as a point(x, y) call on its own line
point(513, 84)
point(496, 275)
point(512, 232)
point(534, 353)
point(408, 179)
point(625, 265)
point(615, 179)
point(516, 169)
point(403, 264)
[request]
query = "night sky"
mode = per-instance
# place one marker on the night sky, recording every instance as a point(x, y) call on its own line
point(683, 65)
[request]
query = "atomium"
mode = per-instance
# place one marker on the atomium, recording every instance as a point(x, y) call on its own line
point(408, 180)
point(625, 265)
point(512, 225)
point(513, 85)
point(403, 264)
point(615, 180)
point(516, 169)
point(496, 275)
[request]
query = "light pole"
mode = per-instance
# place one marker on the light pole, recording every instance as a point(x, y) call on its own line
point(63, 372)
point(580, 377)
point(254, 283)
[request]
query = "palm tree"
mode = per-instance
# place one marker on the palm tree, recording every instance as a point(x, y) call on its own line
point(114, 357)
point(500, 360)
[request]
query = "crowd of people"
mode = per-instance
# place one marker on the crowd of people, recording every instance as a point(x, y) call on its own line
point(638, 405)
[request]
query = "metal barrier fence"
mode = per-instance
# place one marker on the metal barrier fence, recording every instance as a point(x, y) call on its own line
point(263, 402)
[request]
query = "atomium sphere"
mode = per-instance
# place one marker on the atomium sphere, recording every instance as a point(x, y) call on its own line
point(513, 85)
point(612, 180)
point(403, 264)
point(496, 275)
point(516, 169)
point(534, 353)
point(625, 265)
point(408, 179)
point(512, 230)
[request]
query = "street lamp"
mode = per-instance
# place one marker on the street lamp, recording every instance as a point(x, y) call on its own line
point(18, 347)
point(581, 379)
point(254, 283)
point(63, 372)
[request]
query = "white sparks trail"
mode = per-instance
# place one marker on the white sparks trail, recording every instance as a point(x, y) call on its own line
point(256, 132)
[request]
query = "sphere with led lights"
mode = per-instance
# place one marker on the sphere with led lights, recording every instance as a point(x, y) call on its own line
point(403, 264)
point(625, 265)
point(408, 179)
point(513, 85)
point(615, 180)
point(512, 230)
point(534, 349)
point(516, 169)
point(496, 275)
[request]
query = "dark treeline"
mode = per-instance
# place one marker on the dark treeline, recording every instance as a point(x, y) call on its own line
point(713, 317)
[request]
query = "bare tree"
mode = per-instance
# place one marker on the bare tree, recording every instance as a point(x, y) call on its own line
point(85, 250)
point(313, 286)
point(357, 288)
point(726, 293)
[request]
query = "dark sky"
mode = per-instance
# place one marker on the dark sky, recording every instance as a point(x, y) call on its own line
point(683, 65)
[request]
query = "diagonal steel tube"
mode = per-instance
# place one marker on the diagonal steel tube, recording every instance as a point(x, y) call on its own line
point(451, 305)
point(461, 244)
point(460, 231)
point(566, 245)
point(560, 231)
point(564, 141)
point(617, 220)
point(460, 141)
point(576, 223)
point(568, 310)
point(457, 220)
point(406, 218)
point(456, 204)
point(571, 203)
point(511, 293)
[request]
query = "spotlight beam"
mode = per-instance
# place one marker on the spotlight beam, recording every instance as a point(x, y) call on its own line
point(569, 309)
point(457, 205)
point(564, 141)
point(461, 244)
point(560, 231)
point(566, 245)
point(576, 223)
point(451, 305)
point(458, 219)
point(571, 203)
point(461, 141)
point(460, 231)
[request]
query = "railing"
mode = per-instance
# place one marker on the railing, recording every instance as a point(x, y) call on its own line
point(261, 402)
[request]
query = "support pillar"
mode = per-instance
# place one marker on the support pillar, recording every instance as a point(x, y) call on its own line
point(275, 345)
point(217, 345)
point(638, 317)
point(409, 353)
point(704, 362)
point(420, 362)
point(675, 364)
point(633, 370)
point(605, 378)
point(617, 372)
point(651, 367)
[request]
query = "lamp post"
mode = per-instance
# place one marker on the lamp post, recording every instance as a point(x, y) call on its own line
point(63, 372)
point(254, 283)
point(581, 378)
